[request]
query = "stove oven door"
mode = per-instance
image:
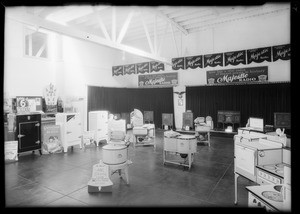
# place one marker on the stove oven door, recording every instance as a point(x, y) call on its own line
point(245, 162)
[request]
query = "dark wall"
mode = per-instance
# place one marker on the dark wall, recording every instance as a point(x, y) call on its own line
point(252, 100)
point(119, 100)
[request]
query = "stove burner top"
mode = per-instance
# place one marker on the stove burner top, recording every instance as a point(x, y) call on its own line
point(279, 165)
point(270, 167)
point(275, 168)
point(279, 171)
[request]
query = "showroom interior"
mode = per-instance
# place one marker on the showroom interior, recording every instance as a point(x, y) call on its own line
point(148, 106)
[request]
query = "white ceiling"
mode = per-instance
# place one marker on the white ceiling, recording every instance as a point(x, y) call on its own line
point(116, 26)
point(136, 21)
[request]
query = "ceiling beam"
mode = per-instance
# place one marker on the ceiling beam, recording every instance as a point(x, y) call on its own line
point(72, 32)
point(125, 27)
point(102, 25)
point(166, 18)
point(174, 40)
point(113, 24)
point(147, 33)
point(163, 38)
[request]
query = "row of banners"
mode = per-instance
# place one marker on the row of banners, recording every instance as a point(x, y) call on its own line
point(256, 55)
point(139, 68)
point(214, 77)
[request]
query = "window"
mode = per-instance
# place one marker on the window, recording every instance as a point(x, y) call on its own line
point(36, 43)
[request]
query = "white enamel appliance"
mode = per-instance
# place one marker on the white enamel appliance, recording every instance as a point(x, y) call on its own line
point(114, 154)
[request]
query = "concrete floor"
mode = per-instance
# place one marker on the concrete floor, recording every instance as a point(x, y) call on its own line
point(60, 180)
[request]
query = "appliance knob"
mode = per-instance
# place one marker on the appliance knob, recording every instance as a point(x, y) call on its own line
point(259, 204)
point(261, 154)
point(254, 200)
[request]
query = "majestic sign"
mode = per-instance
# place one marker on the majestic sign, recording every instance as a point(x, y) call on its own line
point(117, 70)
point(238, 75)
point(213, 60)
point(142, 68)
point(235, 58)
point(259, 55)
point(150, 80)
point(282, 52)
point(129, 69)
point(193, 62)
point(156, 66)
point(178, 63)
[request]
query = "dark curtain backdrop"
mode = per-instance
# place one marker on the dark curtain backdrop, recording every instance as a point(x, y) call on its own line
point(252, 100)
point(124, 100)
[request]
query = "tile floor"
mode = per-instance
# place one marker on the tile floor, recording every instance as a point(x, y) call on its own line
point(60, 180)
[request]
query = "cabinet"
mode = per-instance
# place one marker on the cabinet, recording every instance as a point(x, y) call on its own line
point(231, 117)
point(71, 129)
point(188, 120)
point(167, 120)
point(98, 122)
point(28, 132)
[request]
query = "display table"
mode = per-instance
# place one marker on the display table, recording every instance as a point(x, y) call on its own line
point(113, 168)
point(183, 145)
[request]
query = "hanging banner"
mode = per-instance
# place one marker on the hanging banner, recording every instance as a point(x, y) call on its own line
point(178, 63)
point(165, 79)
point(117, 70)
point(156, 66)
point(238, 75)
point(259, 55)
point(235, 58)
point(129, 69)
point(142, 68)
point(213, 60)
point(193, 62)
point(282, 52)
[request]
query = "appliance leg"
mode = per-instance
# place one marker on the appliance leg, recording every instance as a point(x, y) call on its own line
point(190, 160)
point(235, 188)
point(126, 174)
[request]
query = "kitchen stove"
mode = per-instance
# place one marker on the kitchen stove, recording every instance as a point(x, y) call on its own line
point(271, 173)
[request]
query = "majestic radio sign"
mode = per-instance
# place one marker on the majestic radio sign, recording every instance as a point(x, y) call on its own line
point(253, 74)
point(166, 79)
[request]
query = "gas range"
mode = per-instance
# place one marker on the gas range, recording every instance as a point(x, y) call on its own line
point(271, 173)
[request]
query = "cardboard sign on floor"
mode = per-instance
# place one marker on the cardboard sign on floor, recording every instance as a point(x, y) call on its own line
point(100, 181)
